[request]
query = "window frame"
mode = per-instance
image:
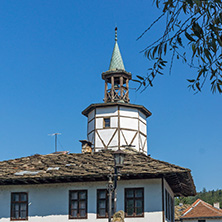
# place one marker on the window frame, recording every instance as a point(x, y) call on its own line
point(104, 122)
point(18, 202)
point(78, 207)
point(106, 207)
point(134, 198)
point(169, 206)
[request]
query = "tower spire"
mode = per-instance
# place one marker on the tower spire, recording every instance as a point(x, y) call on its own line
point(116, 60)
point(116, 78)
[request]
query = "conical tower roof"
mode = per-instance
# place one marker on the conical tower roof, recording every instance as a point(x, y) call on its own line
point(116, 60)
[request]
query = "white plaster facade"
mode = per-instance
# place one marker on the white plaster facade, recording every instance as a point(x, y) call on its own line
point(51, 202)
point(128, 126)
point(206, 220)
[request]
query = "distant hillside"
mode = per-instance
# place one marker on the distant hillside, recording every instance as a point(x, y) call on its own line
point(210, 197)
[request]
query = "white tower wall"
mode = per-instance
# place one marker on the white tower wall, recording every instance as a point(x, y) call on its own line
point(127, 126)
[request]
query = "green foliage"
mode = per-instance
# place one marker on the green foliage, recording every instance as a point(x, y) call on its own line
point(210, 197)
point(193, 34)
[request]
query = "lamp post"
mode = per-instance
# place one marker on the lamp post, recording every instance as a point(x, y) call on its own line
point(119, 156)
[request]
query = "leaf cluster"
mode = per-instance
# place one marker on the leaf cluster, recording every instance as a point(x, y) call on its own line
point(193, 34)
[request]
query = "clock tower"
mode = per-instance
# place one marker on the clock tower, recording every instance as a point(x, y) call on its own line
point(117, 123)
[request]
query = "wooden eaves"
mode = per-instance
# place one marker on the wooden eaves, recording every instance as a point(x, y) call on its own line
point(144, 110)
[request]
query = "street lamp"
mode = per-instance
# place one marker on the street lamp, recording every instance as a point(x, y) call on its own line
point(119, 156)
point(119, 159)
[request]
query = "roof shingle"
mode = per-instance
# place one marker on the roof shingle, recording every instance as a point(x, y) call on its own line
point(58, 168)
point(178, 211)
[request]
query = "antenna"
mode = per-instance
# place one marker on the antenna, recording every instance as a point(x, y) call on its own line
point(55, 134)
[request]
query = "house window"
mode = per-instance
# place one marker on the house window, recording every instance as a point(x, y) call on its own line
point(169, 203)
point(106, 122)
point(19, 206)
point(77, 204)
point(103, 203)
point(134, 202)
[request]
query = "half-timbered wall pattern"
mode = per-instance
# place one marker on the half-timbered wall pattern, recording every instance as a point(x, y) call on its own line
point(127, 127)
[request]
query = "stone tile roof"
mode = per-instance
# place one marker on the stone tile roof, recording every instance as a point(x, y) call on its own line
point(201, 209)
point(178, 211)
point(60, 168)
point(116, 60)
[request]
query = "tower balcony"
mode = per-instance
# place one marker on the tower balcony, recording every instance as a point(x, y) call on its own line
point(117, 95)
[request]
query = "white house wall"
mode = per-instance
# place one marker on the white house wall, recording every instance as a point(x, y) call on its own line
point(212, 220)
point(91, 115)
point(107, 111)
point(98, 142)
point(135, 142)
point(91, 125)
point(122, 138)
point(142, 117)
point(99, 123)
point(128, 123)
point(127, 111)
point(142, 127)
point(91, 137)
point(167, 187)
point(51, 202)
point(114, 121)
point(207, 220)
point(114, 142)
point(106, 135)
point(143, 141)
point(169, 190)
point(128, 136)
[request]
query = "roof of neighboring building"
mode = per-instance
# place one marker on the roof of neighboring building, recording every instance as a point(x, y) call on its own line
point(201, 209)
point(179, 209)
point(60, 168)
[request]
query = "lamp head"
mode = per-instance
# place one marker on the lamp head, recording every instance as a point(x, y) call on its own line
point(119, 157)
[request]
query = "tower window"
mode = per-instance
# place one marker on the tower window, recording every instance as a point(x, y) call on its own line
point(106, 122)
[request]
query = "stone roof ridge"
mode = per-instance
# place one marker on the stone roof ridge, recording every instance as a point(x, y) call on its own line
point(130, 150)
point(48, 155)
point(36, 156)
point(170, 164)
point(93, 166)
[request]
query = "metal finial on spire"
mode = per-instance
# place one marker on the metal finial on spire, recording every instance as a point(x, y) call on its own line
point(116, 34)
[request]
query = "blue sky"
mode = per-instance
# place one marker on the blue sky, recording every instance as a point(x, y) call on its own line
point(52, 54)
